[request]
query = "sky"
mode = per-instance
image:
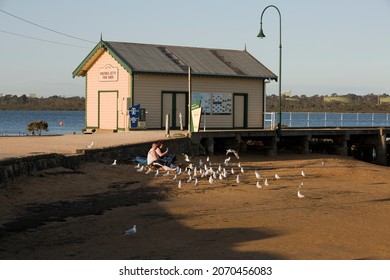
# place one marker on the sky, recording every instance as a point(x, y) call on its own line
point(334, 46)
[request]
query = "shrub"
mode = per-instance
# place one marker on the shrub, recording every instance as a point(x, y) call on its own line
point(37, 127)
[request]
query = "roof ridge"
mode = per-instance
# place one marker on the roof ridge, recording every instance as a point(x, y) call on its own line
point(175, 46)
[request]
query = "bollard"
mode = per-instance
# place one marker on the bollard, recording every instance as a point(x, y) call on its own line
point(167, 134)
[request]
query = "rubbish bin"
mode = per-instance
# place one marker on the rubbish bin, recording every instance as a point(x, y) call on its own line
point(142, 118)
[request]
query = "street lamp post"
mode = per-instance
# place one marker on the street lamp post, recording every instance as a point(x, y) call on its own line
point(261, 35)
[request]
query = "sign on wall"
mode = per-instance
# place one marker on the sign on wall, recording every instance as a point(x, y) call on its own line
point(214, 103)
point(108, 74)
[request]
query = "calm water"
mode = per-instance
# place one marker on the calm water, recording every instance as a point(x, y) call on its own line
point(16, 122)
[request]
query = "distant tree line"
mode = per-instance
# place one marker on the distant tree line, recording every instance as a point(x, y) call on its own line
point(352, 103)
point(52, 103)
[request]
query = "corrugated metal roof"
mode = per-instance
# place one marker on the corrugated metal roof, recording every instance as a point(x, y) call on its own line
point(148, 58)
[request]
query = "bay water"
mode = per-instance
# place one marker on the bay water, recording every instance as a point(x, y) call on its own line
point(14, 123)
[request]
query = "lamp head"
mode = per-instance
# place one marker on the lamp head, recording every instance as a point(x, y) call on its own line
point(261, 33)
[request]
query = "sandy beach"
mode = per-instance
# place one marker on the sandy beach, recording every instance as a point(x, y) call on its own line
point(68, 144)
point(82, 214)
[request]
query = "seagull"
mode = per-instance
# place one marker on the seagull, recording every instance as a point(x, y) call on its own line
point(186, 157)
point(277, 177)
point(232, 171)
point(148, 171)
point(300, 195)
point(300, 186)
point(166, 173)
point(178, 172)
point(189, 179)
point(239, 164)
point(229, 151)
point(266, 182)
point(303, 173)
point(174, 177)
point(140, 169)
point(258, 185)
point(114, 163)
point(208, 159)
point(258, 176)
point(242, 169)
point(323, 163)
point(238, 179)
point(90, 145)
point(211, 180)
point(138, 165)
point(179, 184)
point(196, 183)
point(157, 173)
point(131, 231)
point(200, 162)
point(226, 162)
point(220, 176)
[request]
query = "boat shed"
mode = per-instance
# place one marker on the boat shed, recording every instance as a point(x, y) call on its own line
point(230, 85)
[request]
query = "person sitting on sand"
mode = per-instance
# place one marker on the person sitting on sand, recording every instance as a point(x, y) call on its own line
point(158, 150)
point(164, 157)
point(153, 159)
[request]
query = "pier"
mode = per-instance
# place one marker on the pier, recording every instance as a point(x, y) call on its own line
point(369, 144)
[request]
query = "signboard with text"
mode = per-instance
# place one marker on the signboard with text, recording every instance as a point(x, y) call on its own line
point(196, 114)
point(108, 74)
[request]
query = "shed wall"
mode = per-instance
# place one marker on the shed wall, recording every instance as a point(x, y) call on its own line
point(148, 90)
point(94, 86)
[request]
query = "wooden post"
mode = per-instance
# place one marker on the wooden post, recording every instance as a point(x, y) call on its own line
point(189, 99)
point(167, 134)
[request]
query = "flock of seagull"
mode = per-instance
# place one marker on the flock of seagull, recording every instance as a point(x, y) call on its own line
point(212, 172)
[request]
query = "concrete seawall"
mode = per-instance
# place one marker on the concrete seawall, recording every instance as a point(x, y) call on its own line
point(15, 167)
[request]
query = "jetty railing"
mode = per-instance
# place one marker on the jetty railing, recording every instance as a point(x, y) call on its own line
point(321, 119)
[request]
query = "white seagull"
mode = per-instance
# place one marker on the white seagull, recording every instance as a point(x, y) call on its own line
point(258, 176)
point(266, 182)
point(300, 195)
point(179, 184)
point(231, 151)
point(303, 173)
point(90, 145)
point(277, 177)
point(186, 157)
point(148, 171)
point(196, 183)
point(211, 180)
point(238, 179)
point(258, 185)
point(131, 231)
point(138, 165)
point(140, 169)
point(189, 179)
point(157, 173)
point(232, 171)
point(114, 163)
point(174, 177)
point(242, 169)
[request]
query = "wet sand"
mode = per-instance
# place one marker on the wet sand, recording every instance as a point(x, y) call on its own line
point(66, 214)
